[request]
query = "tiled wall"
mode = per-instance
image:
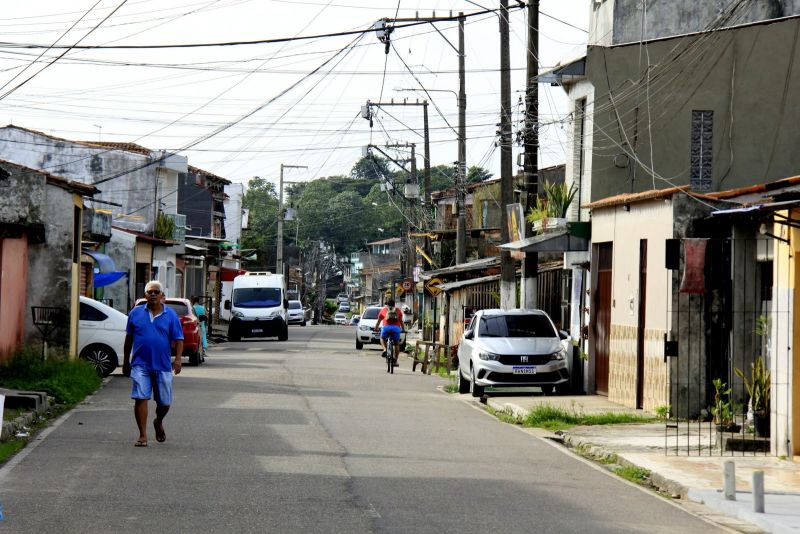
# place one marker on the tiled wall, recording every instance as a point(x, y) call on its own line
point(622, 368)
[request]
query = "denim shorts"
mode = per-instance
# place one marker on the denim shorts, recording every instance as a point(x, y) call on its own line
point(157, 384)
point(391, 331)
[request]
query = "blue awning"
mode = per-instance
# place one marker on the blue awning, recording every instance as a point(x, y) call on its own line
point(104, 262)
point(106, 279)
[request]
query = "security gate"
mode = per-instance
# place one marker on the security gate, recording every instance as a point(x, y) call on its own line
point(723, 317)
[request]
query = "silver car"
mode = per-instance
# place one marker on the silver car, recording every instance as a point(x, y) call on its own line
point(297, 314)
point(511, 348)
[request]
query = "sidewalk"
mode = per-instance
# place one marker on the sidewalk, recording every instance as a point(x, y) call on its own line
point(697, 479)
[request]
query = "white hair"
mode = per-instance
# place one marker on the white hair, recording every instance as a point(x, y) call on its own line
point(153, 284)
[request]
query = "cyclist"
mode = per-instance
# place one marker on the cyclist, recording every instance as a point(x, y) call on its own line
point(392, 319)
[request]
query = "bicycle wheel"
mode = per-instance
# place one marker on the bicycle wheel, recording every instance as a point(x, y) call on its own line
point(390, 357)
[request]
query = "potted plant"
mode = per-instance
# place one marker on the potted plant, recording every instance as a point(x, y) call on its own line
point(551, 211)
point(758, 387)
point(724, 409)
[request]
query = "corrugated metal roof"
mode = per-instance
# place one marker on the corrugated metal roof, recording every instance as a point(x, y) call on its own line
point(385, 241)
point(471, 282)
point(483, 263)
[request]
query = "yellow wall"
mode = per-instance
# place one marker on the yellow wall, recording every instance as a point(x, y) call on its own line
point(785, 334)
point(651, 220)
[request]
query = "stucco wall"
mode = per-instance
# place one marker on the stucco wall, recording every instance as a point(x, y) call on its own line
point(651, 220)
point(736, 74)
point(22, 197)
point(627, 21)
point(50, 273)
point(134, 190)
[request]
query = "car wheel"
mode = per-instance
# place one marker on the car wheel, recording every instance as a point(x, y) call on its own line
point(475, 389)
point(303, 323)
point(547, 390)
point(233, 335)
point(463, 383)
point(359, 345)
point(284, 335)
point(562, 389)
point(102, 357)
point(194, 359)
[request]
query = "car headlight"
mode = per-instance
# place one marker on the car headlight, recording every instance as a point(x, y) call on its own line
point(559, 355)
point(364, 328)
point(489, 356)
point(237, 313)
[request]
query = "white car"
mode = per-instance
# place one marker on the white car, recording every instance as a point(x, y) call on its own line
point(340, 318)
point(297, 315)
point(364, 333)
point(511, 348)
point(101, 335)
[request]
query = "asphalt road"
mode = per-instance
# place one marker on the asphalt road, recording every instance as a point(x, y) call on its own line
point(310, 435)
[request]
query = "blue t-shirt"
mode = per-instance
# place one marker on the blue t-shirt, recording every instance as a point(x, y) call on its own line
point(152, 341)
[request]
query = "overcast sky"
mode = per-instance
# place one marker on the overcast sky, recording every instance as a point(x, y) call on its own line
point(242, 110)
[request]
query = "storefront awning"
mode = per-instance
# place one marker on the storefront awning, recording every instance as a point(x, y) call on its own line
point(104, 262)
point(560, 241)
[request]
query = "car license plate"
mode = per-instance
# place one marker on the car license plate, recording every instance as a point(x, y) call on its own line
point(526, 370)
point(257, 330)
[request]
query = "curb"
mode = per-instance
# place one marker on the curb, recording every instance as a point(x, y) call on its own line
point(661, 483)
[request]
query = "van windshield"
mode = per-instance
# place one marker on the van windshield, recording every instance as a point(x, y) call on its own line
point(257, 297)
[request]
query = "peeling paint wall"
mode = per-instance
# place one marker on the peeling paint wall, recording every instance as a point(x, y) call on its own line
point(135, 191)
point(50, 273)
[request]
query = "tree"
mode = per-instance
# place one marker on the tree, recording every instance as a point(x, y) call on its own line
point(262, 200)
point(372, 168)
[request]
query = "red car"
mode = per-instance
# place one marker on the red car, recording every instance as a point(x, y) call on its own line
point(192, 342)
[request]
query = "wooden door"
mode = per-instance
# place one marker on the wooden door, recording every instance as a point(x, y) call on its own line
point(602, 313)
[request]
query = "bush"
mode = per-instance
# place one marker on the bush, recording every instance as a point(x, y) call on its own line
point(68, 381)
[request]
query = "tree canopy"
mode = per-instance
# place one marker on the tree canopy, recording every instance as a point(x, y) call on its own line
point(345, 212)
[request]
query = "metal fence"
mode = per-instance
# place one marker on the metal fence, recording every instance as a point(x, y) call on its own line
point(726, 323)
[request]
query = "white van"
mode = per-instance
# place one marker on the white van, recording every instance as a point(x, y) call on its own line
point(258, 307)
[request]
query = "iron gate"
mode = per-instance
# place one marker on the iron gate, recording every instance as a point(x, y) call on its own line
point(723, 316)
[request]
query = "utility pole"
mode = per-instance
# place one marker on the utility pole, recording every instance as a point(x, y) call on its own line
point(530, 264)
point(461, 171)
point(508, 284)
point(279, 262)
point(461, 175)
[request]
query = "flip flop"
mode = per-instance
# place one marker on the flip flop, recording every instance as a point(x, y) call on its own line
point(140, 443)
point(161, 436)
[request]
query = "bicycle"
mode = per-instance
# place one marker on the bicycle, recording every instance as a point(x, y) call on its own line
point(390, 356)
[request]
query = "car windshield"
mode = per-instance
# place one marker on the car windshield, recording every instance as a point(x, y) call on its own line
point(257, 297)
point(529, 325)
point(295, 305)
point(371, 313)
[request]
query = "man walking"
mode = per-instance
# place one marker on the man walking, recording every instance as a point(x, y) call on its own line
point(151, 331)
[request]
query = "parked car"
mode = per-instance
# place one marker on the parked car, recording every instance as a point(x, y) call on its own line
point(101, 335)
point(354, 320)
point(344, 307)
point(340, 318)
point(511, 348)
point(342, 297)
point(192, 337)
point(364, 333)
point(297, 314)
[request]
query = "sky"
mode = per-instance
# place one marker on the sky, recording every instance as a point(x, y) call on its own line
point(242, 110)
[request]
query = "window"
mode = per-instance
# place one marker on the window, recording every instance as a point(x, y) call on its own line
point(257, 297)
point(90, 313)
point(701, 150)
point(529, 325)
